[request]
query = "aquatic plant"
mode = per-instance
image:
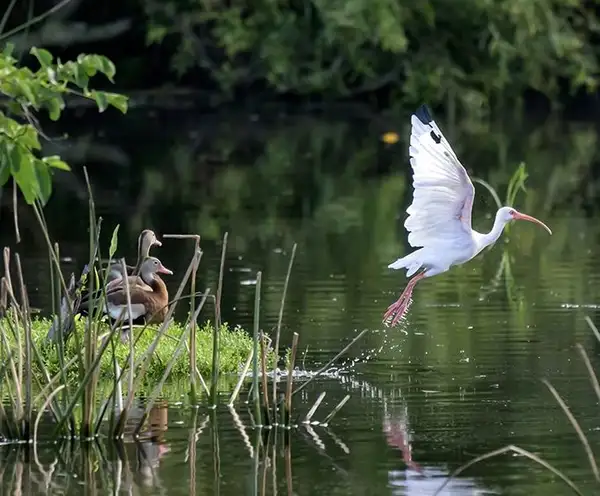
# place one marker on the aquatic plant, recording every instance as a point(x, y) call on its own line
point(585, 443)
point(234, 346)
point(277, 412)
point(516, 183)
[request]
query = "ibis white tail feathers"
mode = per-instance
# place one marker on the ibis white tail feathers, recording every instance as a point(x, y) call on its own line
point(410, 262)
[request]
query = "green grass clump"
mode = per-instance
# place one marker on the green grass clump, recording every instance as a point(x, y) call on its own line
point(235, 345)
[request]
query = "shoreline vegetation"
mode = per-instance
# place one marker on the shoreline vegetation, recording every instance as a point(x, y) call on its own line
point(88, 378)
point(235, 345)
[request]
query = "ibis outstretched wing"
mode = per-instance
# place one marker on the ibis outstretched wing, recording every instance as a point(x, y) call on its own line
point(443, 192)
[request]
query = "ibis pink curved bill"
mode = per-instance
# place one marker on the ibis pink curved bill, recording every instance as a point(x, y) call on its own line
point(439, 218)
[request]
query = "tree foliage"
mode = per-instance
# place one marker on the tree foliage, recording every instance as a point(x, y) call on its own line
point(27, 92)
point(466, 52)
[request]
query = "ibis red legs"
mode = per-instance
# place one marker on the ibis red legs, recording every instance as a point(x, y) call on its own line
point(396, 310)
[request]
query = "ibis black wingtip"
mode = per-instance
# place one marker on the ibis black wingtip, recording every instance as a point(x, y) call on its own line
point(424, 114)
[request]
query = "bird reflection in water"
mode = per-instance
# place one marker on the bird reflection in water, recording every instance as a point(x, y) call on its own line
point(418, 478)
point(397, 435)
point(152, 446)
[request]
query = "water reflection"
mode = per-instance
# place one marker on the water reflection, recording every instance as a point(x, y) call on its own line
point(183, 451)
point(397, 433)
point(272, 461)
point(428, 482)
point(128, 467)
point(152, 446)
point(416, 479)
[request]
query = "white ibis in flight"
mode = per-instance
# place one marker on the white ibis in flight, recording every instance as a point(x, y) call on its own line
point(439, 218)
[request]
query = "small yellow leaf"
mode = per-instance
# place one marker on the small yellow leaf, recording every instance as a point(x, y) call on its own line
point(390, 137)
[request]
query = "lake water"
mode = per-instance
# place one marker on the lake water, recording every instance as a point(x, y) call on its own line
point(460, 377)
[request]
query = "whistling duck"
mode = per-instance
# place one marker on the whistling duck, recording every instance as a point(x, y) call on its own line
point(149, 295)
point(146, 240)
point(115, 278)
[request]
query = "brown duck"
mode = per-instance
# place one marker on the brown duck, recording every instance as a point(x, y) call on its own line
point(148, 293)
point(146, 240)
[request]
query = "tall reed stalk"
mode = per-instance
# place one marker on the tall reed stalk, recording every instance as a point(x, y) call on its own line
point(217, 328)
point(280, 320)
point(278, 412)
point(255, 351)
point(192, 337)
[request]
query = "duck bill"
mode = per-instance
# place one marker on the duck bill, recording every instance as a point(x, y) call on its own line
point(520, 216)
point(157, 243)
point(163, 270)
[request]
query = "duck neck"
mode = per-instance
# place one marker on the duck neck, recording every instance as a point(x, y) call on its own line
point(156, 283)
point(142, 253)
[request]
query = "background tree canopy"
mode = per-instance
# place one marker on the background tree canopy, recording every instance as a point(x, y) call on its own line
point(469, 54)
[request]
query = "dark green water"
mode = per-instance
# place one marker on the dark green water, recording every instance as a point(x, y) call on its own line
point(462, 376)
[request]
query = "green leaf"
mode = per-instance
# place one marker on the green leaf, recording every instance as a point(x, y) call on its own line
point(117, 101)
point(9, 48)
point(13, 156)
point(4, 173)
point(14, 107)
point(56, 162)
point(155, 33)
point(44, 56)
point(93, 63)
point(86, 62)
point(105, 66)
point(114, 241)
point(28, 137)
point(44, 180)
point(4, 163)
point(24, 173)
point(80, 76)
point(54, 108)
point(101, 100)
point(26, 90)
